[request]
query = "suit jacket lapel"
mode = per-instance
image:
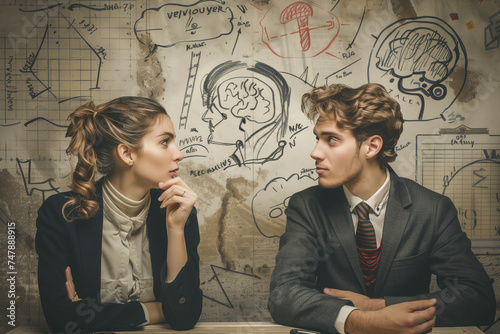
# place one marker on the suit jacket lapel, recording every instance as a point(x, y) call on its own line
point(90, 245)
point(341, 220)
point(396, 218)
point(157, 235)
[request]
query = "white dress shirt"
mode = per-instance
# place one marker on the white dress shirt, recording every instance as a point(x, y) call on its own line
point(378, 205)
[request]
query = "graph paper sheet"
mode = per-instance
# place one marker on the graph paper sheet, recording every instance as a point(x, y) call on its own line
point(52, 65)
point(466, 168)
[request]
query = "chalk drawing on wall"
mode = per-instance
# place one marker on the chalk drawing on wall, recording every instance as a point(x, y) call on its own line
point(52, 57)
point(45, 187)
point(269, 204)
point(223, 277)
point(171, 24)
point(188, 95)
point(465, 166)
point(298, 29)
point(423, 63)
point(492, 33)
point(247, 108)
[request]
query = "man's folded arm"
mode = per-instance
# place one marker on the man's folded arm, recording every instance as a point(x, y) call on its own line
point(466, 297)
point(294, 299)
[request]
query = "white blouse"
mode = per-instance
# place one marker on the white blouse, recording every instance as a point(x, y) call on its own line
point(126, 271)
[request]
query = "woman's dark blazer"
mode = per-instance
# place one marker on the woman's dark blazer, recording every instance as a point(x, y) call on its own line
point(78, 245)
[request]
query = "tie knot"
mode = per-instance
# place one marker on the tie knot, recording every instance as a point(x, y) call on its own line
point(363, 210)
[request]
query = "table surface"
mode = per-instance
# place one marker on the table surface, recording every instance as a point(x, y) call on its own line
point(233, 328)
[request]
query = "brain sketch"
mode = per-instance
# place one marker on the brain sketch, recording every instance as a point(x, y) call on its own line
point(248, 98)
point(171, 24)
point(269, 204)
point(252, 101)
point(416, 60)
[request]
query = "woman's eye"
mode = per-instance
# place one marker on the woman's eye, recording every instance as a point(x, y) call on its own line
point(164, 142)
point(332, 140)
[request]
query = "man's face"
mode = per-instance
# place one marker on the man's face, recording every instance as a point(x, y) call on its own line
point(337, 155)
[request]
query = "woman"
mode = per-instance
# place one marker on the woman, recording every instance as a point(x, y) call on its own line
point(120, 252)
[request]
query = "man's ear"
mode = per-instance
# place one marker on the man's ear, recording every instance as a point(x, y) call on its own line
point(125, 154)
point(373, 146)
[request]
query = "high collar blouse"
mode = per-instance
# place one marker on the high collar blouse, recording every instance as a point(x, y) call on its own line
point(126, 271)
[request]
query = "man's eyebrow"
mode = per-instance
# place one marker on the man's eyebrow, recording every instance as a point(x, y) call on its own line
point(328, 133)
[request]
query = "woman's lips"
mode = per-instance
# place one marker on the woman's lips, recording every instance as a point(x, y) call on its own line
point(174, 172)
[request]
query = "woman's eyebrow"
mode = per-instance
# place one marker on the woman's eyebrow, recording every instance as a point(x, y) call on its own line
point(166, 134)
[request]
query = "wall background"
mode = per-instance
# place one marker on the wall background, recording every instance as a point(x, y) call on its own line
point(231, 74)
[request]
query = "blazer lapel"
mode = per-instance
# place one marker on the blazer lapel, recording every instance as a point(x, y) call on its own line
point(157, 235)
point(396, 218)
point(341, 220)
point(90, 246)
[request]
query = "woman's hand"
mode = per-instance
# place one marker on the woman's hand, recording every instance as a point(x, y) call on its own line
point(155, 312)
point(70, 287)
point(179, 200)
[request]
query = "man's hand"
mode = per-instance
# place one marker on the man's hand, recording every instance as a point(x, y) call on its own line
point(405, 318)
point(363, 302)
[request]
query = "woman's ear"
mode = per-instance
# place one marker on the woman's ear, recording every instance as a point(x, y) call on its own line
point(125, 154)
point(374, 146)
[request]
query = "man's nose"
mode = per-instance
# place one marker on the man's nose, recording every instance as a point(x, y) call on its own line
point(316, 153)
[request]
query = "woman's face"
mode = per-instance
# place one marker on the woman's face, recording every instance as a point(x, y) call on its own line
point(157, 160)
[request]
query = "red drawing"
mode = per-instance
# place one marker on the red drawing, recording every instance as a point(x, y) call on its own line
point(301, 12)
point(454, 16)
point(296, 29)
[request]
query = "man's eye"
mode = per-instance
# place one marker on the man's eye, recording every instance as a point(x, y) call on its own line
point(164, 142)
point(332, 140)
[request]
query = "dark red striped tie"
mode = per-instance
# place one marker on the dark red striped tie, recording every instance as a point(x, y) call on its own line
point(365, 233)
point(369, 254)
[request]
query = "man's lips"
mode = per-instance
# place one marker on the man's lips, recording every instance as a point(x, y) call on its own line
point(320, 169)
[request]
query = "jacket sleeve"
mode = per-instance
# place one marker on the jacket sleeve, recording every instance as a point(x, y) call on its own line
point(294, 299)
point(53, 245)
point(182, 298)
point(466, 297)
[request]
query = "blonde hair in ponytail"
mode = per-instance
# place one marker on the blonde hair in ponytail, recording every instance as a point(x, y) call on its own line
point(95, 133)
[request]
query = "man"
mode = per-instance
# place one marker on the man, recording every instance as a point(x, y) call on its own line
point(359, 249)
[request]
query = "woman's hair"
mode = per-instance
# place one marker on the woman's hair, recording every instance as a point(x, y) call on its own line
point(365, 111)
point(95, 133)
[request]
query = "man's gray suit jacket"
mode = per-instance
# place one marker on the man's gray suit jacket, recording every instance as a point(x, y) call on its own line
point(421, 236)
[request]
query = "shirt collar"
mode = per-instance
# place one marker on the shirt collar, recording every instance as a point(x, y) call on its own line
point(376, 201)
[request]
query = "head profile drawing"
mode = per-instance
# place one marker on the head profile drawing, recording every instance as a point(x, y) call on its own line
point(247, 107)
point(423, 63)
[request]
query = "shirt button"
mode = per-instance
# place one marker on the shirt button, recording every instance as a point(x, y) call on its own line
point(180, 288)
point(182, 300)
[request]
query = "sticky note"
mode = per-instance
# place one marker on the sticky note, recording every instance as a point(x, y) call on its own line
point(470, 25)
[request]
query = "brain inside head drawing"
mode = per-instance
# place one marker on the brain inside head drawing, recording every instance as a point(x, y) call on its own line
point(247, 97)
point(422, 63)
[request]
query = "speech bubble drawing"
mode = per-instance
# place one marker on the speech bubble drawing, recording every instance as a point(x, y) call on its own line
point(170, 24)
point(269, 204)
